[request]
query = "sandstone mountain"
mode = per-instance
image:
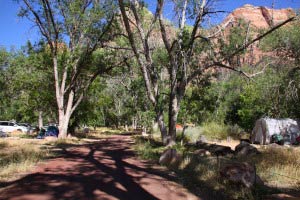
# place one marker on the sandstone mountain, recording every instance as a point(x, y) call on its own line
point(260, 17)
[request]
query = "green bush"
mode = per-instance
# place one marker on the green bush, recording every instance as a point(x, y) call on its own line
point(148, 148)
point(193, 133)
point(215, 130)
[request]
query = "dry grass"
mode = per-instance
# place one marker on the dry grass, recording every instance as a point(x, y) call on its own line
point(19, 153)
point(18, 156)
point(100, 132)
point(279, 169)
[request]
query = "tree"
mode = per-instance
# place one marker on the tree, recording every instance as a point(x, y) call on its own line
point(4, 60)
point(74, 32)
point(191, 51)
point(27, 91)
point(285, 42)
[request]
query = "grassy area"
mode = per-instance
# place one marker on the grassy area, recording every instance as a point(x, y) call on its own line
point(98, 133)
point(19, 156)
point(212, 130)
point(19, 153)
point(279, 169)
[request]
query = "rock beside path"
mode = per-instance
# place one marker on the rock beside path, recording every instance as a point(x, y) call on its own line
point(201, 153)
point(241, 173)
point(245, 149)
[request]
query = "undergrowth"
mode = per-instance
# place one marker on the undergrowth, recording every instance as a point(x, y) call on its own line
point(201, 174)
point(213, 130)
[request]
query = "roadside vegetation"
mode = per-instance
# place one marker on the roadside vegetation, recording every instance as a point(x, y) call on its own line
point(279, 169)
point(18, 156)
point(21, 153)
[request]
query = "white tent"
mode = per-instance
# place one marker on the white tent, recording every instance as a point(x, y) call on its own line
point(266, 127)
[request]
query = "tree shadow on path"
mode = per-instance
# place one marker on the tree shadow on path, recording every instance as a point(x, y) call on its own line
point(105, 170)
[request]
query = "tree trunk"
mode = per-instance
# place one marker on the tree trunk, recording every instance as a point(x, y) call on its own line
point(173, 114)
point(162, 127)
point(40, 119)
point(134, 123)
point(63, 126)
point(64, 117)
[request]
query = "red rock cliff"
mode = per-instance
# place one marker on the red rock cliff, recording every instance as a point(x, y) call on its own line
point(260, 17)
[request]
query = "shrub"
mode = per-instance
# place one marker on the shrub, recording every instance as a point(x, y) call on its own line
point(193, 133)
point(215, 130)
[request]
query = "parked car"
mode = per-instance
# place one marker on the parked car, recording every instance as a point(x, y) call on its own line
point(48, 131)
point(7, 126)
point(31, 128)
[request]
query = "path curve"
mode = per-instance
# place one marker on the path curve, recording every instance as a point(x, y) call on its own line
point(104, 170)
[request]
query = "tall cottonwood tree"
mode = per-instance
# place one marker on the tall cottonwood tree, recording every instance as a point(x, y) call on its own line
point(74, 30)
point(191, 51)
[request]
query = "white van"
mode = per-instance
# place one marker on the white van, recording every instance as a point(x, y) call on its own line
point(7, 127)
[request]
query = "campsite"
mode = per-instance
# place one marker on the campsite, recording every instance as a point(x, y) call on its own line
point(163, 99)
point(280, 131)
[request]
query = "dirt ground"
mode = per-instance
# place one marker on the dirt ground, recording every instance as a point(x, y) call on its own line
point(107, 169)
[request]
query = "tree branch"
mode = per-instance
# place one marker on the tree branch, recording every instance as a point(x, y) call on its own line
point(246, 45)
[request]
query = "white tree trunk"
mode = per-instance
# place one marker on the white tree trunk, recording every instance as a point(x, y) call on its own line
point(63, 127)
point(64, 120)
point(134, 123)
point(40, 119)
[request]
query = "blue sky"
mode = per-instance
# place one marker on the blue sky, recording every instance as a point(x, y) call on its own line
point(16, 31)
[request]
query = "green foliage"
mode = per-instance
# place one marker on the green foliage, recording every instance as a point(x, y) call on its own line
point(234, 99)
point(28, 85)
point(215, 130)
point(237, 37)
point(148, 149)
point(199, 102)
point(285, 41)
point(193, 133)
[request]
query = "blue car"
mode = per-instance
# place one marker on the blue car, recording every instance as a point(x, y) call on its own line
point(49, 131)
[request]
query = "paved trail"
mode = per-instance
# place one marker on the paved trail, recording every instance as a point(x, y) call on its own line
point(106, 170)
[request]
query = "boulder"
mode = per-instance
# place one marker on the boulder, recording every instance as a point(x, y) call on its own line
point(241, 145)
point(190, 144)
point(202, 145)
point(201, 153)
point(241, 173)
point(220, 150)
point(170, 157)
point(245, 149)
